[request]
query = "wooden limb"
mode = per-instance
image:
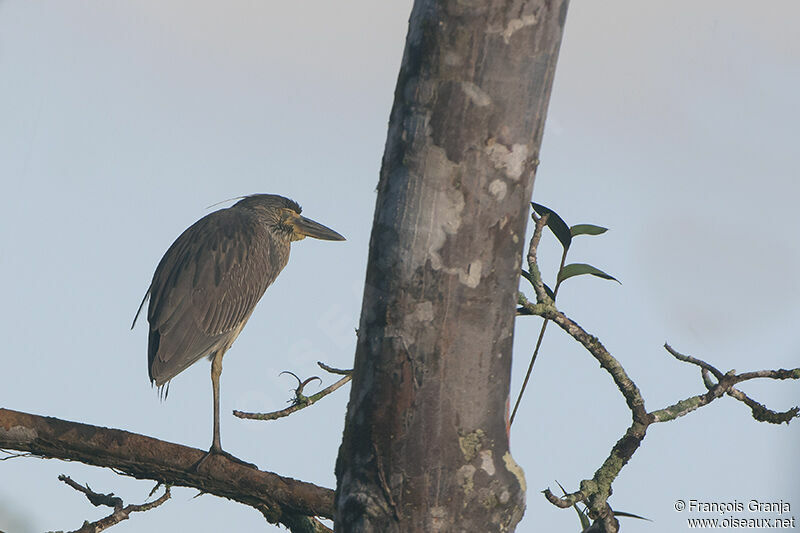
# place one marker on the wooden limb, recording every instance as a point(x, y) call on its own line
point(279, 499)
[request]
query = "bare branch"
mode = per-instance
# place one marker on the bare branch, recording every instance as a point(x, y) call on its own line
point(761, 412)
point(595, 492)
point(109, 500)
point(536, 275)
point(536, 280)
point(568, 500)
point(771, 374)
point(333, 370)
point(278, 498)
point(96, 499)
point(684, 407)
point(625, 385)
point(725, 385)
point(694, 361)
point(300, 402)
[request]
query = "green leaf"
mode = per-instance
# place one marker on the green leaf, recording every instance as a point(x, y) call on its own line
point(585, 522)
point(587, 229)
point(555, 223)
point(630, 515)
point(579, 269)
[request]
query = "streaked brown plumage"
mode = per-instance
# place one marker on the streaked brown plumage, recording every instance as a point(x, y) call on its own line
point(209, 281)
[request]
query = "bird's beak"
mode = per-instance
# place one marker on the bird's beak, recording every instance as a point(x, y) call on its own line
point(305, 227)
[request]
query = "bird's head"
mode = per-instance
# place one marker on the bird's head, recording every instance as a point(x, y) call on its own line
point(284, 214)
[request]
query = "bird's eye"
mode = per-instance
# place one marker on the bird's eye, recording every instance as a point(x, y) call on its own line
point(286, 221)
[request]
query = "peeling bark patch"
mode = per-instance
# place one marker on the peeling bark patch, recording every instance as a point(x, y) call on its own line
point(475, 94)
point(471, 444)
point(498, 189)
point(423, 312)
point(511, 162)
point(464, 478)
point(447, 203)
point(458, 115)
point(515, 469)
point(452, 59)
point(487, 462)
point(19, 434)
point(438, 519)
point(448, 207)
point(472, 276)
point(517, 24)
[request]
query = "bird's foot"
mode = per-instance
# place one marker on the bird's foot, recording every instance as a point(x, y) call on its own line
point(219, 452)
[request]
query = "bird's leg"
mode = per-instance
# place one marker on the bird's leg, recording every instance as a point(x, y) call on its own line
point(216, 446)
point(216, 372)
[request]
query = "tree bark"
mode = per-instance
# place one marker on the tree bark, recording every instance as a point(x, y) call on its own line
point(279, 499)
point(425, 446)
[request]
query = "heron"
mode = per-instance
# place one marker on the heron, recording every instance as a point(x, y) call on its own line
point(209, 281)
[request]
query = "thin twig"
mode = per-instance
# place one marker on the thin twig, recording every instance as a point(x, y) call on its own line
point(540, 294)
point(533, 265)
point(12, 455)
point(761, 412)
point(309, 400)
point(96, 499)
point(568, 500)
point(692, 360)
point(536, 282)
point(333, 370)
point(109, 500)
point(771, 374)
point(626, 386)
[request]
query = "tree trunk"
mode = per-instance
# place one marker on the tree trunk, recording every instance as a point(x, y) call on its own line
point(425, 446)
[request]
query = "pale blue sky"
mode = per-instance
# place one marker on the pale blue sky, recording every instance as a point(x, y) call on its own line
point(673, 123)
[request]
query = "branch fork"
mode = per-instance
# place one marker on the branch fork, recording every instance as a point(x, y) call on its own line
point(594, 493)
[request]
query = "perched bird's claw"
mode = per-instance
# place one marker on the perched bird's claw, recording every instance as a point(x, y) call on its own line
point(219, 452)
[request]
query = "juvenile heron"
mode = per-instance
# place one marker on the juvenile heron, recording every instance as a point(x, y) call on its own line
point(210, 280)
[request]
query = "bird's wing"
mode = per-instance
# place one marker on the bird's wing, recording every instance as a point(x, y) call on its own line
point(206, 286)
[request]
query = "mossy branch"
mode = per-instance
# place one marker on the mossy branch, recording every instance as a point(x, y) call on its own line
point(596, 491)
